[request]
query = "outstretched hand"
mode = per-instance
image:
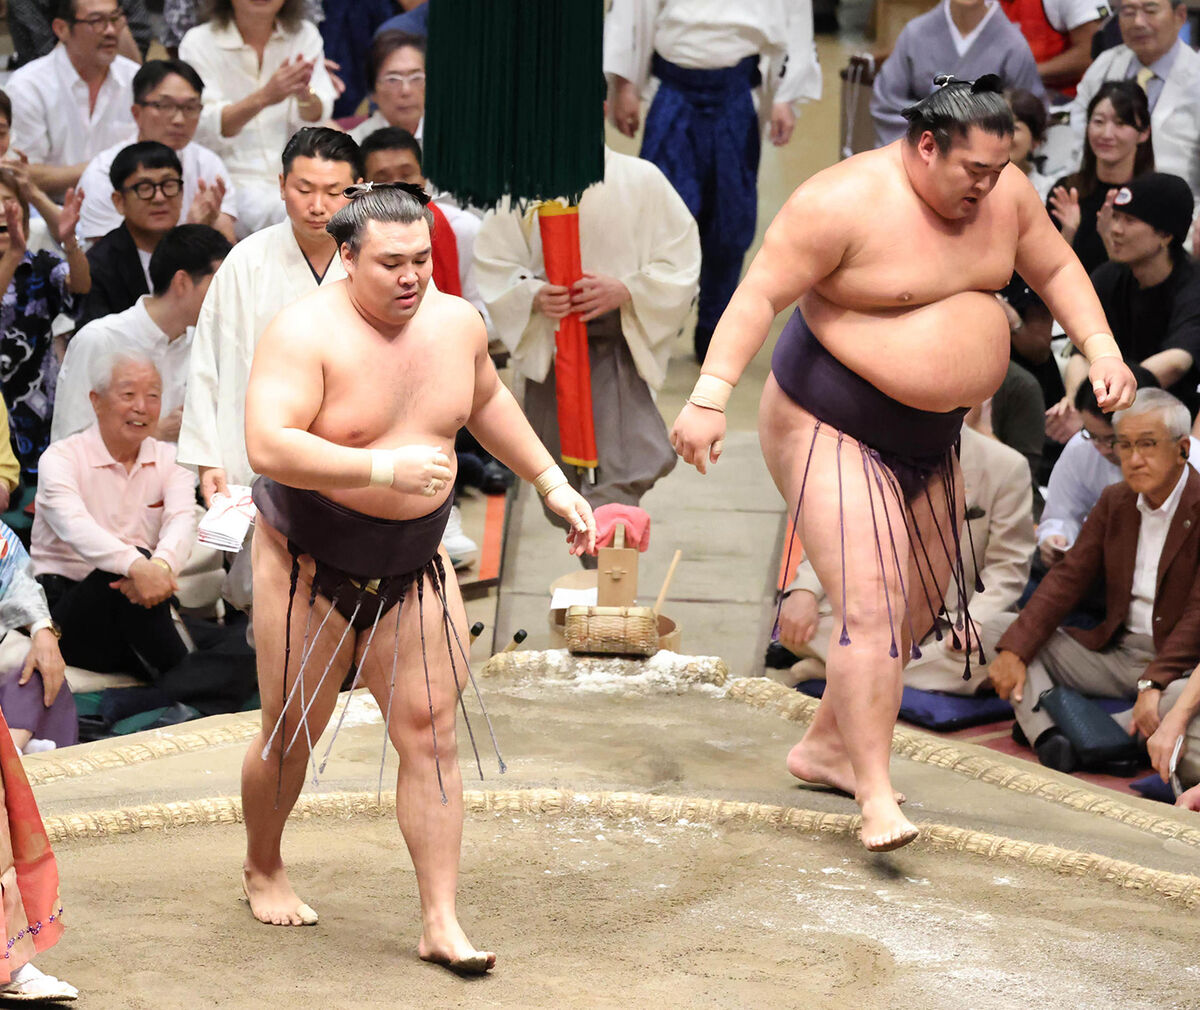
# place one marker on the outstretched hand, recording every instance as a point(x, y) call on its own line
point(698, 435)
point(565, 501)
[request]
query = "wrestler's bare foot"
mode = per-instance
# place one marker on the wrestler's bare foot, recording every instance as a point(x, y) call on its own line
point(825, 763)
point(448, 946)
point(884, 827)
point(272, 899)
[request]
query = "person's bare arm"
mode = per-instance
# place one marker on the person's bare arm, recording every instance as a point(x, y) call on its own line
point(283, 398)
point(1168, 366)
point(56, 179)
point(1068, 65)
point(1051, 268)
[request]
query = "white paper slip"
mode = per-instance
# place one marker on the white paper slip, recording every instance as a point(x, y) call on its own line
point(563, 598)
point(225, 524)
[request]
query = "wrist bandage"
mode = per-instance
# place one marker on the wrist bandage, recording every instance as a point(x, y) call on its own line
point(711, 392)
point(548, 480)
point(382, 470)
point(1100, 345)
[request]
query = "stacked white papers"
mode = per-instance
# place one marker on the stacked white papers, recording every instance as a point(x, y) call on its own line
point(225, 524)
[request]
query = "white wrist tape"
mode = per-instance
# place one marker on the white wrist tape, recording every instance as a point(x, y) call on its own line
point(549, 479)
point(382, 470)
point(711, 392)
point(1100, 345)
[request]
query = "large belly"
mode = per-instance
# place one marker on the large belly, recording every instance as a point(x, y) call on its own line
point(952, 353)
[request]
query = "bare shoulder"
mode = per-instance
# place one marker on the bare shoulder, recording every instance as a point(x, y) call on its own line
point(452, 315)
point(307, 324)
point(837, 198)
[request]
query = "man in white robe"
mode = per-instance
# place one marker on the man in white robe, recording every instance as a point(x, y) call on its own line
point(640, 251)
point(263, 274)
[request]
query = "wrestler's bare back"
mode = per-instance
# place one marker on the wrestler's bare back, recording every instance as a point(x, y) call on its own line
point(908, 286)
point(416, 387)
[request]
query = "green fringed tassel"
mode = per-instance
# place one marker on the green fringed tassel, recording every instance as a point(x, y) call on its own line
point(515, 99)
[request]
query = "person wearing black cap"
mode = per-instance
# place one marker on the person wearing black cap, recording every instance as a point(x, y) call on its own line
point(1150, 288)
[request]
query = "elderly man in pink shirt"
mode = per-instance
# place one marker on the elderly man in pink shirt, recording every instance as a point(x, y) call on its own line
point(114, 523)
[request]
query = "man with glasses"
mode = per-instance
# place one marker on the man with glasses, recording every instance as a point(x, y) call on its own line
point(1142, 540)
point(71, 104)
point(147, 182)
point(396, 70)
point(166, 108)
point(1168, 71)
point(29, 24)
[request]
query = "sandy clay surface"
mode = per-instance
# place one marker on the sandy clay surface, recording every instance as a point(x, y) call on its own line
point(587, 912)
point(597, 910)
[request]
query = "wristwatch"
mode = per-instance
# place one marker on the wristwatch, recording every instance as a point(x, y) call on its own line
point(47, 624)
point(1148, 685)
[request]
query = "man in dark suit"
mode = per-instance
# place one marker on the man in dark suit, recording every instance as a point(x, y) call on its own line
point(147, 181)
point(1142, 540)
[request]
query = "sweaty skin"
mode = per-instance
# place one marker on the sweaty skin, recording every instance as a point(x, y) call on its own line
point(377, 361)
point(893, 257)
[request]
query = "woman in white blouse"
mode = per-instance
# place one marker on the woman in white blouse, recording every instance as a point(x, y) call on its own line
point(263, 68)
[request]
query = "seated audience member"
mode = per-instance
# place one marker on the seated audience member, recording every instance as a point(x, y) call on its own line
point(1118, 149)
point(263, 67)
point(396, 70)
point(1178, 710)
point(166, 108)
point(394, 155)
point(31, 26)
point(1150, 288)
point(966, 38)
point(262, 274)
point(1153, 55)
point(158, 325)
point(34, 698)
point(14, 172)
point(1142, 541)
point(114, 522)
point(147, 182)
point(181, 16)
point(1030, 121)
point(72, 103)
point(999, 512)
point(1059, 34)
point(37, 288)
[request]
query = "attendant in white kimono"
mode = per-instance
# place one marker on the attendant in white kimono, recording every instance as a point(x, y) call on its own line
point(964, 38)
point(263, 68)
point(641, 260)
point(263, 274)
point(702, 129)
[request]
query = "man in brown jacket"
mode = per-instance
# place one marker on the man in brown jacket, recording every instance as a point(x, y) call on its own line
point(1143, 540)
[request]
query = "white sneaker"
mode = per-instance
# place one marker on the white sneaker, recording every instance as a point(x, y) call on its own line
point(30, 985)
point(461, 548)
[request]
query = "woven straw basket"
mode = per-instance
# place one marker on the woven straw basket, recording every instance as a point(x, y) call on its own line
point(629, 631)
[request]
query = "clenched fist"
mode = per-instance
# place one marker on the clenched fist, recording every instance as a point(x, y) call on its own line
point(420, 469)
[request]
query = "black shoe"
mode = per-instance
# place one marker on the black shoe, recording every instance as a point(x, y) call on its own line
point(779, 658)
point(1054, 750)
point(496, 478)
point(1019, 736)
point(1122, 768)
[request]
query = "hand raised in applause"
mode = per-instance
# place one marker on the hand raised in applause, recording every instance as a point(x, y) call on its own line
point(698, 435)
point(565, 501)
point(1007, 674)
point(291, 79)
point(206, 204)
point(420, 469)
point(798, 616)
point(1064, 208)
point(16, 229)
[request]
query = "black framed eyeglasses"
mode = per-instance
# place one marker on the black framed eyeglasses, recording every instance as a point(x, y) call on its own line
point(146, 189)
point(98, 22)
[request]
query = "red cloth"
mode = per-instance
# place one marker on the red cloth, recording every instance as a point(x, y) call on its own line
point(572, 370)
point(635, 520)
point(1044, 39)
point(445, 254)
